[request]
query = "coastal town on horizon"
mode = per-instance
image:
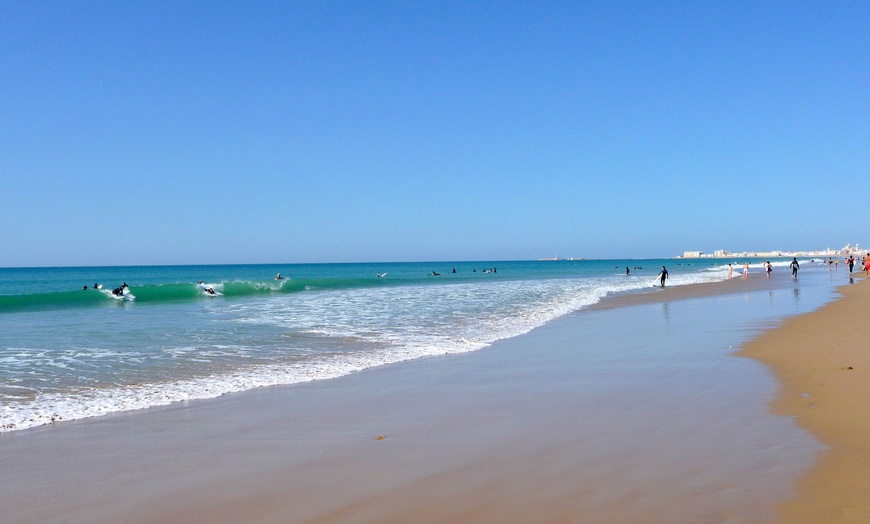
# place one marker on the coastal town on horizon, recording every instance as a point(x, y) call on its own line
point(846, 251)
point(828, 252)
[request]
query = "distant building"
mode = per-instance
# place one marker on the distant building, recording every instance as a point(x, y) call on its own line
point(827, 252)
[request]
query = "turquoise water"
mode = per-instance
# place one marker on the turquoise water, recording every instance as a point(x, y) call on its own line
point(53, 288)
point(68, 353)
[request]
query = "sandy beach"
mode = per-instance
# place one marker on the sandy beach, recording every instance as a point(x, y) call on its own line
point(823, 365)
point(657, 421)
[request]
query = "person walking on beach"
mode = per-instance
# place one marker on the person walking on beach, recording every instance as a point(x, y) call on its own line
point(745, 271)
point(730, 271)
point(768, 268)
point(663, 276)
point(794, 268)
point(851, 263)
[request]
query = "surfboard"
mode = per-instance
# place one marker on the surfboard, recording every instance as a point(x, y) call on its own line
point(125, 294)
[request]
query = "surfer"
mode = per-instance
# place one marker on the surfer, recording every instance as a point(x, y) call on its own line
point(119, 291)
point(663, 276)
point(381, 275)
point(626, 270)
point(434, 274)
point(279, 277)
point(794, 268)
point(85, 288)
point(97, 286)
point(210, 291)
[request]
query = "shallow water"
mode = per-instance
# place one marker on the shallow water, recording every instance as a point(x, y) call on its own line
point(68, 353)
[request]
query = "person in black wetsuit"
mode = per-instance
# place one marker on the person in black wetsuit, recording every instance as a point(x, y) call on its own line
point(663, 276)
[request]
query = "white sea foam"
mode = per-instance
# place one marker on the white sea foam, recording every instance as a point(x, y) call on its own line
point(331, 334)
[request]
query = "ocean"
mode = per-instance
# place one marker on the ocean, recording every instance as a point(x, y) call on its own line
point(69, 353)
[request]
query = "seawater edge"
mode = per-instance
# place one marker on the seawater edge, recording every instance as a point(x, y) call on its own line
point(522, 409)
point(68, 363)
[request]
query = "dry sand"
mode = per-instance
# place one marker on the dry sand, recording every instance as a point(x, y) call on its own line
point(822, 360)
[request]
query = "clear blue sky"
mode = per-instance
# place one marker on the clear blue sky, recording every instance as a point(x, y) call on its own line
point(245, 132)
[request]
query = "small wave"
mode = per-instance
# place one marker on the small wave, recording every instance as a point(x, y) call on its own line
point(167, 293)
point(347, 328)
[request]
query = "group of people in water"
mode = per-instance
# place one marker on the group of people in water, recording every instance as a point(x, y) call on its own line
point(118, 291)
point(865, 263)
point(474, 270)
point(767, 267)
point(794, 265)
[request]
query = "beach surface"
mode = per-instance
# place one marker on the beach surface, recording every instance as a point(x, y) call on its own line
point(823, 364)
point(634, 412)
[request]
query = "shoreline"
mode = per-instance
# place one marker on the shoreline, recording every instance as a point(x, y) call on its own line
point(756, 282)
point(823, 369)
point(491, 422)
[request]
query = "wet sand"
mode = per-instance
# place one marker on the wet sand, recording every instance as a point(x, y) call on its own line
point(822, 361)
point(675, 293)
point(551, 426)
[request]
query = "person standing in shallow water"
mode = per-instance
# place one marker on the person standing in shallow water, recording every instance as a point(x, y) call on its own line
point(794, 268)
point(663, 276)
